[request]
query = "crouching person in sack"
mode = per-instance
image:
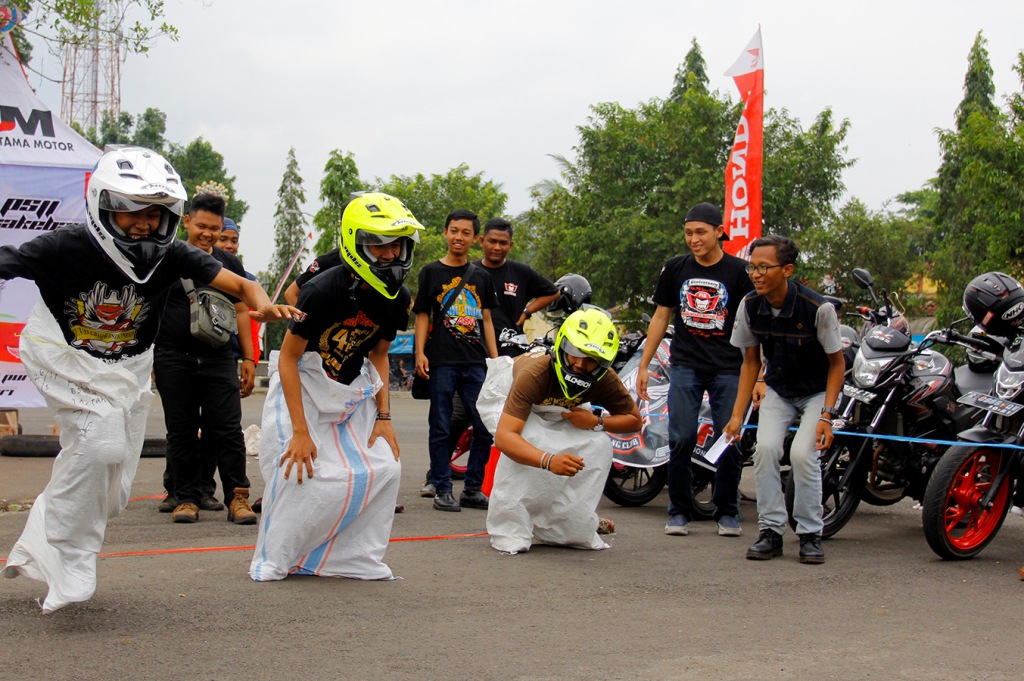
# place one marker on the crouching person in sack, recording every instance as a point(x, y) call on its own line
point(328, 453)
point(88, 348)
point(557, 456)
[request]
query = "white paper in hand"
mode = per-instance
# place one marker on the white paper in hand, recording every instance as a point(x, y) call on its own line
point(715, 453)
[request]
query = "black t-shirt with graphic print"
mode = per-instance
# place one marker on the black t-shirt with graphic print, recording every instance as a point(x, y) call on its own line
point(456, 335)
point(176, 314)
point(704, 302)
point(515, 284)
point(328, 260)
point(98, 308)
point(342, 329)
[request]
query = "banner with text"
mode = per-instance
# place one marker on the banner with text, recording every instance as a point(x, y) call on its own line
point(743, 172)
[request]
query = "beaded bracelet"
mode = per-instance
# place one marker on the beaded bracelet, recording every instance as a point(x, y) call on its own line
point(828, 421)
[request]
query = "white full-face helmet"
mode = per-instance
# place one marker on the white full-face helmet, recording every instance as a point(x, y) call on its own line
point(125, 180)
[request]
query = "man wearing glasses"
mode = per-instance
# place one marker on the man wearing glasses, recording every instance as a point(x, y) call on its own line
point(797, 333)
point(700, 293)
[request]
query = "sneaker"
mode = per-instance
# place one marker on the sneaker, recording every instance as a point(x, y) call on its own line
point(168, 504)
point(728, 526)
point(428, 491)
point(210, 503)
point(767, 546)
point(677, 525)
point(810, 549)
point(185, 513)
point(239, 511)
point(446, 502)
point(473, 499)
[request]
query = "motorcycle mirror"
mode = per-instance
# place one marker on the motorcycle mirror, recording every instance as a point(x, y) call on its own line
point(646, 318)
point(862, 278)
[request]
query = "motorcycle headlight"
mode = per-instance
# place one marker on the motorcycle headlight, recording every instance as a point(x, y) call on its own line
point(1008, 383)
point(866, 371)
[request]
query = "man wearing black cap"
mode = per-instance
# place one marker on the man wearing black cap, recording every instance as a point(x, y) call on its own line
point(700, 294)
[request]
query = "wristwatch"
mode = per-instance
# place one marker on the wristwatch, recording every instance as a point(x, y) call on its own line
point(600, 425)
point(527, 314)
point(830, 412)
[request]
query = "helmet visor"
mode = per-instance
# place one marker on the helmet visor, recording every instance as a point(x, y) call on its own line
point(119, 203)
point(365, 237)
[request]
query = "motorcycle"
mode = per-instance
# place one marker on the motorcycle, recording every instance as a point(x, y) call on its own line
point(894, 389)
point(970, 491)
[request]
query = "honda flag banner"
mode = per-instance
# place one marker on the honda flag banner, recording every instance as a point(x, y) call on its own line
point(743, 172)
point(44, 165)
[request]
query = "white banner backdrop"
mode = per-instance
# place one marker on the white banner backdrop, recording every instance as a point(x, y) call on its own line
point(44, 167)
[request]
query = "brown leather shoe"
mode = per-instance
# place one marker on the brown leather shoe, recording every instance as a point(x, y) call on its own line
point(185, 513)
point(239, 510)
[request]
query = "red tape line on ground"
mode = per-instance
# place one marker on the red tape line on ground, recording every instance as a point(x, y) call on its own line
point(207, 549)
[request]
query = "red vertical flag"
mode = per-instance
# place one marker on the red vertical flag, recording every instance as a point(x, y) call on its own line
point(743, 172)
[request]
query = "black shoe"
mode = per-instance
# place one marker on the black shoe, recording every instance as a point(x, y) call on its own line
point(168, 504)
point(810, 549)
point(210, 503)
point(257, 505)
point(767, 546)
point(473, 499)
point(444, 501)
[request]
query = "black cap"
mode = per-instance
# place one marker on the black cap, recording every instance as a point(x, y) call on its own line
point(707, 213)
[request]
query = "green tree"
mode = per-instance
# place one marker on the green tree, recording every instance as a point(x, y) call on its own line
point(692, 73)
point(290, 229)
point(199, 162)
point(617, 212)
point(340, 180)
point(150, 127)
point(431, 199)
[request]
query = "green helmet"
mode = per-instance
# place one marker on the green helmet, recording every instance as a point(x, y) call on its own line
point(585, 333)
point(376, 219)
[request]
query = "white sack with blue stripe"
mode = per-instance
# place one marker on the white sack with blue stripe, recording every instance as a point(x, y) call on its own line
point(337, 523)
point(529, 505)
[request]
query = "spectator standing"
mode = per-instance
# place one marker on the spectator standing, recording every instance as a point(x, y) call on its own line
point(797, 333)
point(453, 338)
point(699, 293)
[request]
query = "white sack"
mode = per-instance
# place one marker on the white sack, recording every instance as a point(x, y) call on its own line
point(528, 504)
point(338, 523)
point(101, 409)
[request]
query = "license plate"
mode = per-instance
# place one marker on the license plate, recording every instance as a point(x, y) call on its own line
point(990, 403)
point(858, 394)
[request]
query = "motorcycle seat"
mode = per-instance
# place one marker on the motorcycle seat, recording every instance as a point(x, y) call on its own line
point(972, 381)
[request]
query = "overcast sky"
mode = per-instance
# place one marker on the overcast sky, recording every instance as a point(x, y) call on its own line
point(423, 86)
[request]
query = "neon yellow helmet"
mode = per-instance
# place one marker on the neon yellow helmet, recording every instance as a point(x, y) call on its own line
point(585, 333)
point(375, 219)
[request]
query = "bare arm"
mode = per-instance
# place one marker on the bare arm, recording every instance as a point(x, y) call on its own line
point(655, 333)
point(836, 371)
point(382, 426)
point(490, 342)
point(301, 452)
point(509, 440)
point(254, 297)
point(291, 294)
point(537, 304)
point(248, 376)
point(748, 375)
point(421, 329)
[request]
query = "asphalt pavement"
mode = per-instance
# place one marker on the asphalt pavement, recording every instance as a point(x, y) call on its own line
point(652, 607)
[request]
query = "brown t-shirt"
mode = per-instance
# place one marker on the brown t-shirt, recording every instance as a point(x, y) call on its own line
point(534, 383)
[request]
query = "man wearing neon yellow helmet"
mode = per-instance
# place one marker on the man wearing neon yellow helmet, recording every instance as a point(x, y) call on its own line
point(327, 417)
point(576, 372)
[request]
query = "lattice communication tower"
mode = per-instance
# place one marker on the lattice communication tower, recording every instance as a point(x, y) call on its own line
point(92, 71)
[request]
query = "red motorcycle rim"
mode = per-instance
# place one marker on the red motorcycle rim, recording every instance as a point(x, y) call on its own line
point(967, 524)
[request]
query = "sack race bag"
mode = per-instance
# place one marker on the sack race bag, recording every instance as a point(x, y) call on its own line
point(337, 523)
point(101, 408)
point(528, 504)
point(212, 317)
point(420, 388)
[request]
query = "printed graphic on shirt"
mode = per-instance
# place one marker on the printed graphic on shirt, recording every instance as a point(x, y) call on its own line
point(510, 288)
point(462, 317)
point(107, 321)
point(340, 341)
point(702, 305)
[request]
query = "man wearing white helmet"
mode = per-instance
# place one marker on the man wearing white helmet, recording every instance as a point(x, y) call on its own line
point(88, 347)
point(328, 452)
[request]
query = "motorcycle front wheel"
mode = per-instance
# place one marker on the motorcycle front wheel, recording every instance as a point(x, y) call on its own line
point(841, 486)
point(956, 526)
point(702, 484)
point(635, 486)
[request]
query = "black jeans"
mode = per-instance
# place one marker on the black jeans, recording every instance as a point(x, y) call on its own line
point(201, 393)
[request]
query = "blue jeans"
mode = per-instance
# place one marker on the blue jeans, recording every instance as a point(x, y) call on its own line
point(777, 415)
point(685, 394)
point(445, 382)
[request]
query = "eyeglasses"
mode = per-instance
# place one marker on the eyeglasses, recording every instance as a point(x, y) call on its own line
point(760, 269)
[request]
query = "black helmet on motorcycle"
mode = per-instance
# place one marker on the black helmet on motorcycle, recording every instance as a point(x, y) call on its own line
point(576, 293)
point(995, 301)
